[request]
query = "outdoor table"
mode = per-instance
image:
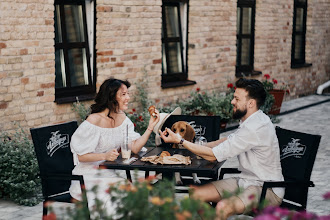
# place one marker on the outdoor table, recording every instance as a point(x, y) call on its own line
point(198, 165)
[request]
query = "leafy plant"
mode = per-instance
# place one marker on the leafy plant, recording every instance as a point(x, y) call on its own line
point(18, 169)
point(273, 84)
point(81, 110)
point(141, 200)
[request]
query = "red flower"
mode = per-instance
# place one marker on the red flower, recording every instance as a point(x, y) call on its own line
point(267, 76)
point(140, 118)
point(287, 91)
point(198, 89)
point(230, 85)
point(274, 81)
point(134, 124)
point(50, 216)
point(251, 197)
point(133, 110)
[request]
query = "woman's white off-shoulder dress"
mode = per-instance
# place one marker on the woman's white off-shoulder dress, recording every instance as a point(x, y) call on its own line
point(89, 138)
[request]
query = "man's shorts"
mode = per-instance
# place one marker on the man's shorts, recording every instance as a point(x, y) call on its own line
point(249, 196)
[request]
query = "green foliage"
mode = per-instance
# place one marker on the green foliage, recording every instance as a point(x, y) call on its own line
point(81, 110)
point(141, 200)
point(19, 169)
point(203, 103)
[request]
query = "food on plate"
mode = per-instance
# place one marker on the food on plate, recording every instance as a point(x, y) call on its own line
point(151, 110)
point(165, 154)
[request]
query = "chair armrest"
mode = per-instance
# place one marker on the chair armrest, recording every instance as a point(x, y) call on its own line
point(224, 171)
point(282, 184)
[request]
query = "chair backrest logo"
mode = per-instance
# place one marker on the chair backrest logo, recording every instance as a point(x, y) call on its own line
point(199, 130)
point(56, 141)
point(293, 148)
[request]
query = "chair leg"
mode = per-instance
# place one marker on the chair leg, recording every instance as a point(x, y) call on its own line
point(146, 174)
point(45, 208)
point(128, 174)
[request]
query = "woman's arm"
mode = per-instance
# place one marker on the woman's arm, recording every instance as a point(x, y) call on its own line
point(139, 143)
point(92, 157)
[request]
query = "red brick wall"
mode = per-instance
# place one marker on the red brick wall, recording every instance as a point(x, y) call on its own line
point(128, 40)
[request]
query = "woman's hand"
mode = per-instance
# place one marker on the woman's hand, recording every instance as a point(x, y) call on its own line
point(169, 136)
point(154, 120)
point(111, 155)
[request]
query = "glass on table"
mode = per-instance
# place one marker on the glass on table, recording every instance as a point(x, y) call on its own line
point(126, 150)
point(200, 140)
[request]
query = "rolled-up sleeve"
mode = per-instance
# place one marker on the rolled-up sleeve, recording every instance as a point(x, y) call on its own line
point(236, 143)
point(84, 140)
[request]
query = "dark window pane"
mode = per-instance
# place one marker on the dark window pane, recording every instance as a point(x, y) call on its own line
point(175, 57)
point(58, 30)
point(298, 47)
point(301, 1)
point(74, 23)
point(172, 21)
point(60, 80)
point(299, 19)
point(245, 52)
point(78, 67)
point(246, 21)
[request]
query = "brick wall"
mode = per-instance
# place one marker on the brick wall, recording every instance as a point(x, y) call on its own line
point(128, 46)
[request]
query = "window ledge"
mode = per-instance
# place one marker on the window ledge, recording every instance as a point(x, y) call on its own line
point(248, 73)
point(72, 99)
point(178, 84)
point(302, 65)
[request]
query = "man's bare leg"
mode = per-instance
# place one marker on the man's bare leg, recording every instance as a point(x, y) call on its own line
point(206, 193)
point(227, 207)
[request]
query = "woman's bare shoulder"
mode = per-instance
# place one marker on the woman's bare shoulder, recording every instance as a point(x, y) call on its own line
point(94, 118)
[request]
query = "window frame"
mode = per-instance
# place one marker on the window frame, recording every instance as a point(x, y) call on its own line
point(245, 70)
point(299, 62)
point(175, 79)
point(83, 92)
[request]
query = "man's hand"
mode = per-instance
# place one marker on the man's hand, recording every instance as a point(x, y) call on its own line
point(169, 136)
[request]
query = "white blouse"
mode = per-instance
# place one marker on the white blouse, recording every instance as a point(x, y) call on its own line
point(89, 138)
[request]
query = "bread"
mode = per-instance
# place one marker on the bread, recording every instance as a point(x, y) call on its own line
point(165, 154)
point(151, 110)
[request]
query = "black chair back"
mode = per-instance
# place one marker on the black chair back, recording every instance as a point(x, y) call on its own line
point(206, 126)
point(52, 147)
point(298, 152)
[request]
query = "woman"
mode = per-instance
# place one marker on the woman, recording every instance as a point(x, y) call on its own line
point(100, 135)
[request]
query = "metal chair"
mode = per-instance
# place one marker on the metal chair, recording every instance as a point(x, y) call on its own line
point(52, 147)
point(298, 152)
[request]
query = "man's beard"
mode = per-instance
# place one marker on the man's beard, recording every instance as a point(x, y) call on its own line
point(238, 114)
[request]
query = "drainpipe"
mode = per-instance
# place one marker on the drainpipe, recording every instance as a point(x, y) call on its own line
point(321, 87)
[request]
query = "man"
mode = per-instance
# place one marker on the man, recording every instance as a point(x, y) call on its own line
point(256, 146)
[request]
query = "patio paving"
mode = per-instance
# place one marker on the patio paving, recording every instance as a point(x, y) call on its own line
point(314, 119)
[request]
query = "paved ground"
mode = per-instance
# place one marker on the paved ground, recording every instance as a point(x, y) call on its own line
point(314, 120)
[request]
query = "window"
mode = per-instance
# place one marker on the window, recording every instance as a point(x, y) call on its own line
point(74, 50)
point(174, 43)
point(245, 38)
point(299, 34)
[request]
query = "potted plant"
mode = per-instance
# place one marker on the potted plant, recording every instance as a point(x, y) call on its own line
point(277, 91)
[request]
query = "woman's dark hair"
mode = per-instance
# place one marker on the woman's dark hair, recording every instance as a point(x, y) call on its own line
point(254, 88)
point(106, 97)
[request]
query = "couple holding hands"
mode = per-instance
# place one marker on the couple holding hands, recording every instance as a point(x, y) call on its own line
point(254, 143)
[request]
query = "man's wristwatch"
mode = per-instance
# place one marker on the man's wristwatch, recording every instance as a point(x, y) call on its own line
point(181, 142)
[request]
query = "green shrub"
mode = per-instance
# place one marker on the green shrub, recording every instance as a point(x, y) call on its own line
point(19, 169)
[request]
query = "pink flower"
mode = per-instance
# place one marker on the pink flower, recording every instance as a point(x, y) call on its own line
point(230, 85)
point(251, 197)
point(274, 81)
point(326, 196)
point(267, 76)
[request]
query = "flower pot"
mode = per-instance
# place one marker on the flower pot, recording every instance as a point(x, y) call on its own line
point(278, 99)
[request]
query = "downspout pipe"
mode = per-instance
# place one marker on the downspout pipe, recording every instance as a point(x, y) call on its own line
point(322, 87)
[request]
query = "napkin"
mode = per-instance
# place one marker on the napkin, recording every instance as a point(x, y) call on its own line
point(175, 159)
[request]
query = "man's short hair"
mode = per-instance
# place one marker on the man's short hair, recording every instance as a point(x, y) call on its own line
point(254, 88)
